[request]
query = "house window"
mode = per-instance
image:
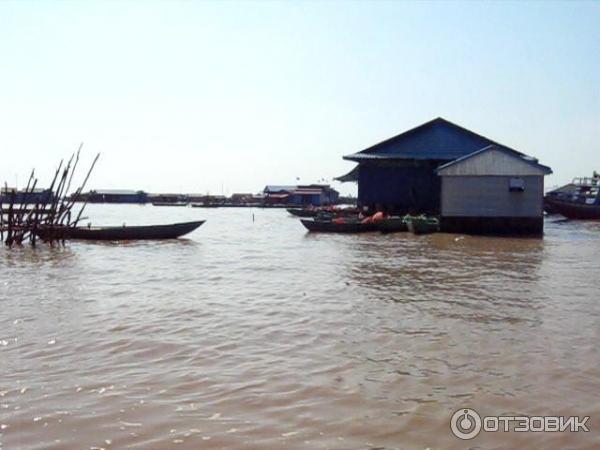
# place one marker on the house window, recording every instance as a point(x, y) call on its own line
point(516, 185)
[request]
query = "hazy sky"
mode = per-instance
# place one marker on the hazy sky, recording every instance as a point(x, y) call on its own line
point(197, 96)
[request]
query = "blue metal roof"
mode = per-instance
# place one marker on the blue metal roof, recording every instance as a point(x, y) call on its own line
point(438, 139)
point(351, 176)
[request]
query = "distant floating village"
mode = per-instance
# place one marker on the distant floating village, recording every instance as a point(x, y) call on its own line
point(438, 176)
point(271, 196)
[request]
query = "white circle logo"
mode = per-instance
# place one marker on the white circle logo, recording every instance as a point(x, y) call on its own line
point(465, 423)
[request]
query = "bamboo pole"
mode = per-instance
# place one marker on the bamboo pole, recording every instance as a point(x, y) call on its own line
point(74, 224)
point(9, 239)
point(49, 217)
point(1, 217)
point(74, 168)
point(24, 195)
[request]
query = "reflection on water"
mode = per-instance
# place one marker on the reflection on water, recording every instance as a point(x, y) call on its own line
point(255, 334)
point(40, 256)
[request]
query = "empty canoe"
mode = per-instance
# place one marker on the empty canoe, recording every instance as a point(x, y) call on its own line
point(122, 233)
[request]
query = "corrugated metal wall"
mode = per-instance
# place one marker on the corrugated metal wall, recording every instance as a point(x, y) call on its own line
point(489, 196)
point(400, 188)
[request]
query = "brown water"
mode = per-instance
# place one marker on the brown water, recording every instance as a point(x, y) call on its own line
point(257, 335)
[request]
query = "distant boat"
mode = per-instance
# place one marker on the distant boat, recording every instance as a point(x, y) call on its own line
point(169, 203)
point(122, 233)
point(579, 200)
point(204, 205)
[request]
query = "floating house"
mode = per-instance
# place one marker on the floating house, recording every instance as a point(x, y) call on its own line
point(314, 194)
point(114, 196)
point(167, 197)
point(399, 174)
point(277, 194)
point(206, 199)
point(406, 174)
point(492, 191)
point(305, 195)
point(246, 198)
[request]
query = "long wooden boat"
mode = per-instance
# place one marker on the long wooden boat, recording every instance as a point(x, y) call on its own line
point(301, 212)
point(393, 225)
point(324, 211)
point(572, 210)
point(122, 233)
point(422, 225)
point(204, 205)
point(327, 226)
point(169, 204)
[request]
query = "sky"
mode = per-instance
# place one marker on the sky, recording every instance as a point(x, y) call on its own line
point(225, 97)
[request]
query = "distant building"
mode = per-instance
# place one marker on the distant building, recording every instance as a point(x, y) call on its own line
point(114, 196)
point(277, 194)
point(242, 198)
point(167, 198)
point(304, 195)
point(196, 198)
point(206, 199)
point(8, 194)
point(492, 191)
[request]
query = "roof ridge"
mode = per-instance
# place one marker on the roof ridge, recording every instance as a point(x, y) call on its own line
point(372, 149)
point(523, 157)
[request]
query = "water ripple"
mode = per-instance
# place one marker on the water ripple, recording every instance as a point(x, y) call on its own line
point(260, 335)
